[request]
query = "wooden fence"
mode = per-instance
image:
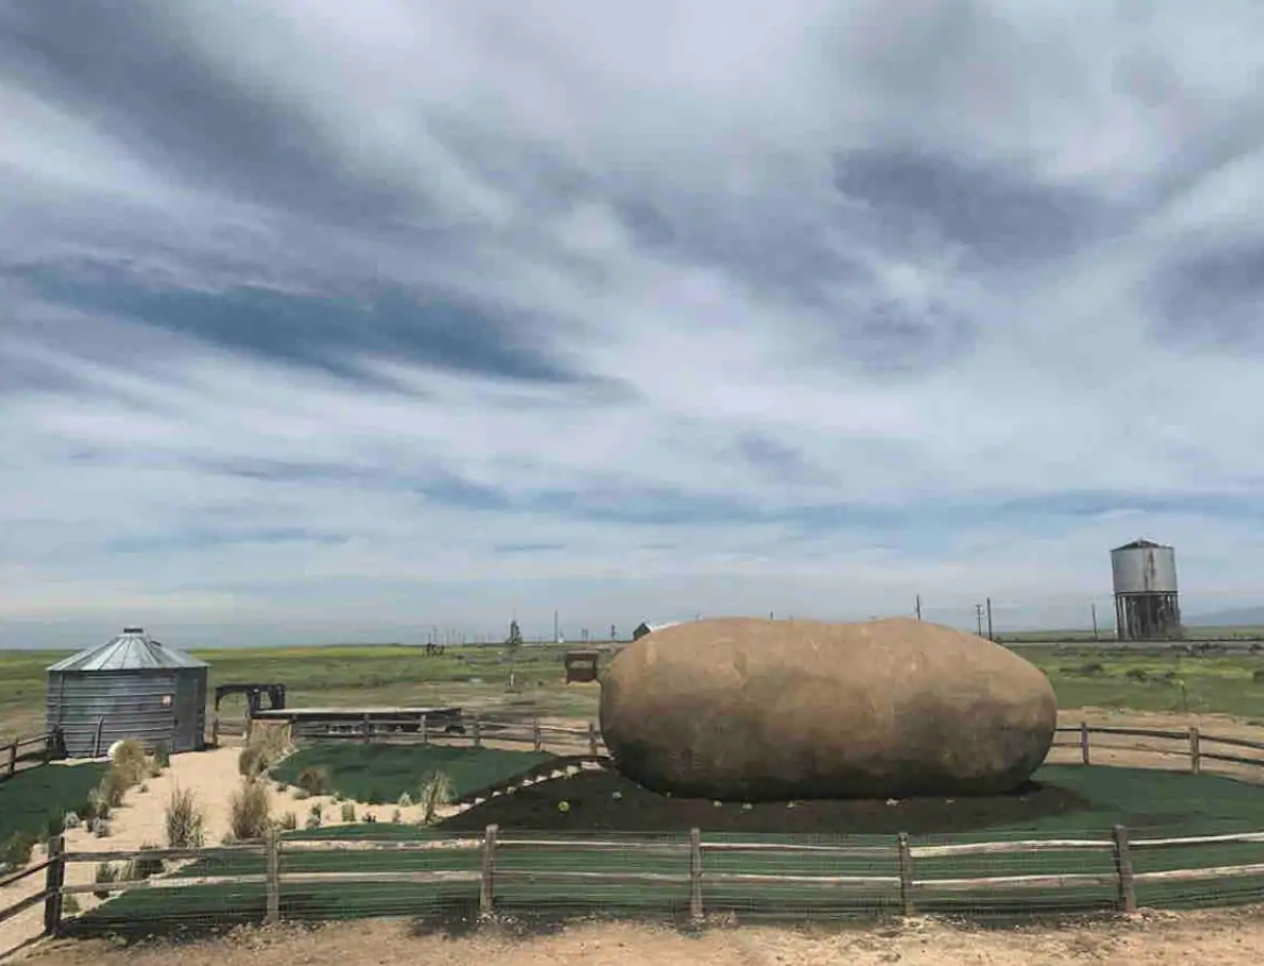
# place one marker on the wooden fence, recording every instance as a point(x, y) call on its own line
point(477, 731)
point(1190, 743)
point(39, 750)
point(900, 856)
point(900, 879)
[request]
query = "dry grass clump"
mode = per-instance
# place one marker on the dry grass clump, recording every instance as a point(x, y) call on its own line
point(186, 822)
point(130, 761)
point(268, 744)
point(436, 791)
point(249, 811)
point(314, 781)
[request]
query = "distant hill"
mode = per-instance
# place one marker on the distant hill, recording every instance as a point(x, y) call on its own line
point(1242, 617)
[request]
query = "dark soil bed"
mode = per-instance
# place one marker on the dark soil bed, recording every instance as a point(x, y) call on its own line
point(606, 801)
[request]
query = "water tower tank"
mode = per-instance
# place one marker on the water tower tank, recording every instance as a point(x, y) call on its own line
point(1147, 607)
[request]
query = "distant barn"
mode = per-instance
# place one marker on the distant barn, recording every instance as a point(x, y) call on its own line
point(643, 629)
point(130, 687)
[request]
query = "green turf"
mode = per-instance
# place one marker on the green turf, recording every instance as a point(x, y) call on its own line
point(378, 774)
point(1152, 804)
point(30, 797)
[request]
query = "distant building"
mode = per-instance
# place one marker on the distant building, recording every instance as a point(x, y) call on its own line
point(643, 629)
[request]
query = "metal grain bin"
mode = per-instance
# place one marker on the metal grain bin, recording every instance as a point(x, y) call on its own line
point(131, 687)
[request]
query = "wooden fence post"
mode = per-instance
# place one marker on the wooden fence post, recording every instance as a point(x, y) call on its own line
point(592, 738)
point(364, 727)
point(272, 864)
point(425, 729)
point(536, 743)
point(486, 892)
point(1195, 751)
point(478, 733)
point(695, 874)
point(54, 879)
point(1123, 868)
point(215, 730)
point(1084, 741)
point(13, 758)
point(905, 854)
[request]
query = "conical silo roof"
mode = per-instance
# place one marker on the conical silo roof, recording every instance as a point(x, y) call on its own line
point(132, 650)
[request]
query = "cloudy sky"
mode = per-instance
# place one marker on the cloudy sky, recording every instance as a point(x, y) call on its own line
point(328, 320)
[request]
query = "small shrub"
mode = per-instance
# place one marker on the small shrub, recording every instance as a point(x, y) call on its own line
point(88, 809)
point(53, 826)
point(71, 820)
point(313, 821)
point(1257, 677)
point(185, 821)
point(1137, 674)
point(17, 850)
point(98, 807)
point(114, 784)
point(315, 816)
point(106, 872)
point(289, 822)
point(249, 810)
point(142, 788)
point(101, 828)
point(348, 812)
point(397, 817)
point(162, 755)
point(70, 905)
point(314, 780)
point(302, 795)
point(436, 792)
point(282, 788)
point(405, 801)
point(131, 761)
point(370, 818)
point(145, 866)
point(251, 762)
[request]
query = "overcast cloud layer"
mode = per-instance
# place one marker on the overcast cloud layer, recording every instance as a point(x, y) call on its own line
point(328, 320)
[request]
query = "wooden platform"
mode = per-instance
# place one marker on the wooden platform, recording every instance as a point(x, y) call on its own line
point(333, 721)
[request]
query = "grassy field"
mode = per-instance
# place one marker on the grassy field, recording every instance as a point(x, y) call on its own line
point(1192, 633)
point(30, 798)
point(380, 774)
point(1152, 803)
point(476, 678)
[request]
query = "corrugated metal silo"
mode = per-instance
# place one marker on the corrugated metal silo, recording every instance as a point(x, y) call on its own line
point(130, 687)
point(1147, 606)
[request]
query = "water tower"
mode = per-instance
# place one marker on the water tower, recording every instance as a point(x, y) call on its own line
point(1146, 605)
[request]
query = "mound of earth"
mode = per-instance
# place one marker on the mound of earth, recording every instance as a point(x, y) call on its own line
point(607, 801)
point(755, 710)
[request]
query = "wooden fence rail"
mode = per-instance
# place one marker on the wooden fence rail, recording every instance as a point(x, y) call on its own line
point(41, 749)
point(902, 879)
point(1195, 744)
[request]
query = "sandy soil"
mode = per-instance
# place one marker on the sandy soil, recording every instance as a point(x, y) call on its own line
point(212, 776)
point(1226, 939)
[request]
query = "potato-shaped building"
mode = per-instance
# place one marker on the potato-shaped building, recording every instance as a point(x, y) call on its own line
point(750, 710)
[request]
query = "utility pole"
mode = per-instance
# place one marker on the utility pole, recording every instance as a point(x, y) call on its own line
point(978, 613)
point(557, 633)
point(613, 634)
point(919, 607)
point(1095, 634)
point(991, 636)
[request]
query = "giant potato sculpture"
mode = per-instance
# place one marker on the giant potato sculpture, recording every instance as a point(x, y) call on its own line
point(751, 710)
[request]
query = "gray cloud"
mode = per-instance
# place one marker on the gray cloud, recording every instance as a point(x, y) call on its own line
point(423, 313)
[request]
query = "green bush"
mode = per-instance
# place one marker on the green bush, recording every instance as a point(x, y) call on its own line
point(17, 850)
point(314, 781)
point(106, 872)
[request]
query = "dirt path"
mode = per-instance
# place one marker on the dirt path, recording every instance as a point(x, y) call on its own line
point(1226, 939)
